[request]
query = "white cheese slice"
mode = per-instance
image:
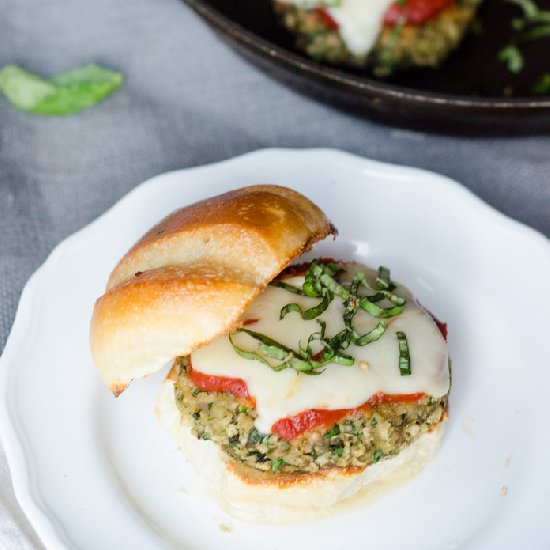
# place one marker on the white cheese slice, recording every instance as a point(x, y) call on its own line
point(286, 393)
point(359, 21)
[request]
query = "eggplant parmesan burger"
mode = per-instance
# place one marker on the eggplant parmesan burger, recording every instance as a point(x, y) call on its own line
point(383, 34)
point(295, 390)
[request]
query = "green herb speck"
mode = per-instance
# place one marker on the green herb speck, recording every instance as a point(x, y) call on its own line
point(276, 464)
point(513, 58)
point(335, 430)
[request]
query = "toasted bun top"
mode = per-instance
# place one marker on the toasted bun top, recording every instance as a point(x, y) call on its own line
point(191, 277)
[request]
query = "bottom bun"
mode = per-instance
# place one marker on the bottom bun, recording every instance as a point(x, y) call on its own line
point(262, 497)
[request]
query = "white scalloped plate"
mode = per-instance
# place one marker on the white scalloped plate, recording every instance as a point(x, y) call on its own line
point(92, 472)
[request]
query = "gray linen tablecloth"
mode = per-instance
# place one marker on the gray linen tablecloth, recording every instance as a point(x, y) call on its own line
point(187, 100)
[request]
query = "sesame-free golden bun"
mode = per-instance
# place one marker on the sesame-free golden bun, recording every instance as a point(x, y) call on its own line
point(190, 278)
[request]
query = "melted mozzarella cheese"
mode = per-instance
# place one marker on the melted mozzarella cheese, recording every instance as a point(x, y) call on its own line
point(376, 369)
point(359, 21)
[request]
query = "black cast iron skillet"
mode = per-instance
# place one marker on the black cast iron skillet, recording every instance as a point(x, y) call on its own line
point(472, 93)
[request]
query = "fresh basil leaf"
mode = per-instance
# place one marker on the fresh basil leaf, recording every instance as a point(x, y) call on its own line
point(312, 312)
point(377, 311)
point(300, 365)
point(23, 89)
point(64, 94)
point(287, 287)
point(373, 335)
point(404, 355)
point(322, 327)
point(393, 298)
point(342, 359)
point(247, 354)
point(285, 310)
point(275, 352)
point(378, 297)
point(513, 58)
point(311, 286)
point(263, 339)
point(383, 279)
point(336, 288)
point(341, 340)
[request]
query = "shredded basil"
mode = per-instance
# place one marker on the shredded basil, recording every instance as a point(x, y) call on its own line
point(404, 356)
point(532, 25)
point(513, 58)
point(365, 302)
point(310, 313)
point(251, 355)
point(274, 350)
point(383, 280)
point(322, 281)
point(373, 335)
point(376, 311)
point(289, 288)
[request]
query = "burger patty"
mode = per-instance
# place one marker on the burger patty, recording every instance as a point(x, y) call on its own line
point(358, 439)
point(426, 44)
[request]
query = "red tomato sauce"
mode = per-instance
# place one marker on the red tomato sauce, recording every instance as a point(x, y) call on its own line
point(207, 382)
point(442, 327)
point(293, 426)
point(440, 324)
point(413, 12)
point(327, 18)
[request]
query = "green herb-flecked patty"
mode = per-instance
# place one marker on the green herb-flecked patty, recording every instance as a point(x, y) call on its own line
point(358, 439)
point(400, 46)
